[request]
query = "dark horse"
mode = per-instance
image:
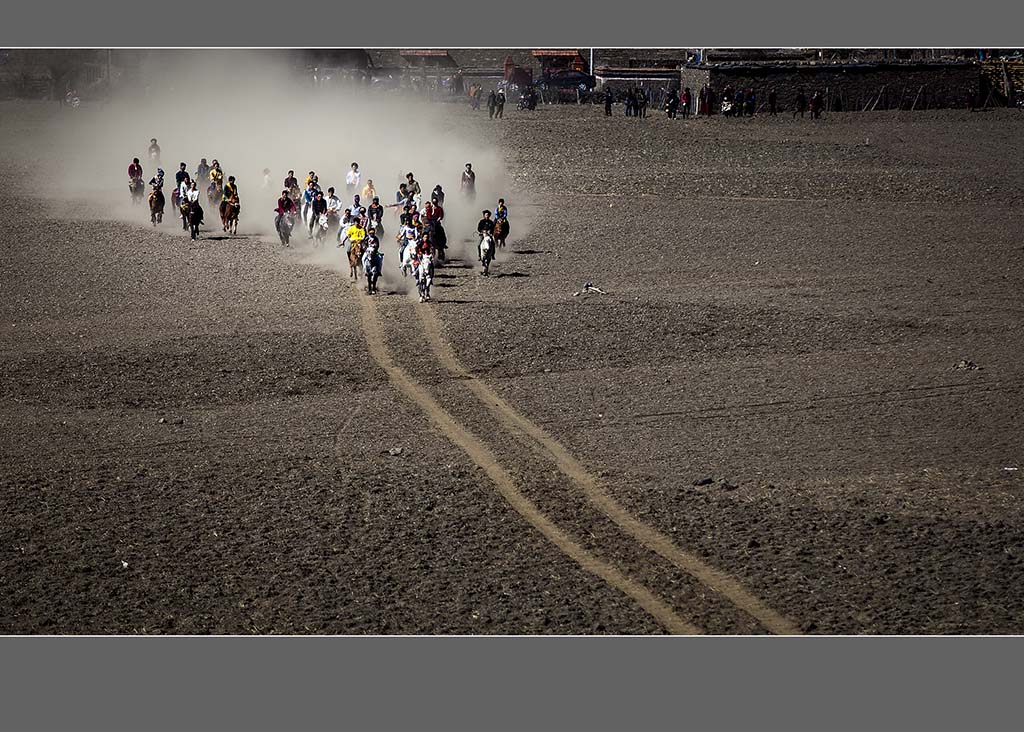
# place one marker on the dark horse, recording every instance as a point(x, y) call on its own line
point(192, 213)
point(135, 188)
point(501, 229)
point(229, 214)
point(156, 206)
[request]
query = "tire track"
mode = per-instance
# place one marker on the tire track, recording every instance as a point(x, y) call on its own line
point(482, 456)
point(596, 494)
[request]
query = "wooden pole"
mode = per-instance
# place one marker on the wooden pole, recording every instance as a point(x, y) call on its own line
point(912, 106)
point(878, 98)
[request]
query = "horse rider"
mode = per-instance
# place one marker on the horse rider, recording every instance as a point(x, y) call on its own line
point(154, 151)
point(352, 178)
point(484, 227)
point(285, 204)
point(500, 211)
point(311, 178)
point(291, 181)
point(469, 182)
point(407, 235)
point(157, 181)
point(354, 234)
point(356, 205)
point(319, 206)
point(333, 206)
point(413, 187)
point(203, 171)
point(135, 171)
point(424, 246)
point(192, 194)
point(346, 221)
point(230, 195)
point(369, 192)
point(182, 175)
point(437, 196)
point(371, 238)
point(307, 197)
point(376, 215)
point(184, 184)
point(216, 176)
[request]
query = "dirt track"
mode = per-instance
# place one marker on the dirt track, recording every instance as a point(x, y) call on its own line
point(785, 304)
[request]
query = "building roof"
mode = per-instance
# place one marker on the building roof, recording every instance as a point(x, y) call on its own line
point(423, 52)
point(556, 52)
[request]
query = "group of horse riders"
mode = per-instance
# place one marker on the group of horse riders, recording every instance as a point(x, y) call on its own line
point(421, 237)
point(186, 194)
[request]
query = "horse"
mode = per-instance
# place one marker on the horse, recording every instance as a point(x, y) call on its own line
point(323, 224)
point(354, 255)
point(424, 273)
point(501, 229)
point(183, 211)
point(156, 206)
point(486, 252)
point(194, 217)
point(284, 223)
point(440, 241)
point(229, 214)
point(136, 189)
point(214, 193)
point(405, 254)
point(372, 261)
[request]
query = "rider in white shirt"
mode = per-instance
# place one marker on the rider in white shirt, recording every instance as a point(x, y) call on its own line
point(192, 194)
point(333, 205)
point(352, 179)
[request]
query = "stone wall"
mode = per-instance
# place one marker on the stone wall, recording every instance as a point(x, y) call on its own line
point(854, 87)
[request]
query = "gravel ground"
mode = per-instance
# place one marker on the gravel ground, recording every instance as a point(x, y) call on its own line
point(196, 440)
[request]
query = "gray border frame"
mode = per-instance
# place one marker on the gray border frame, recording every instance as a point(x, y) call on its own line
point(514, 683)
point(462, 23)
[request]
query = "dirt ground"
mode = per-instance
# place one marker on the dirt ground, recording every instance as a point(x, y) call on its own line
point(201, 437)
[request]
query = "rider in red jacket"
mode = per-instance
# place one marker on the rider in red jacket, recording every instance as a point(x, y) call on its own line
point(135, 169)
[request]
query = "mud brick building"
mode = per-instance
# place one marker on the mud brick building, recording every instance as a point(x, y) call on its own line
point(848, 86)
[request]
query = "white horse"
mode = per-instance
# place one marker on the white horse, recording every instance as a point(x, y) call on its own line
point(321, 228)
point(486, 252)
point(424, 273)
point(406, 264)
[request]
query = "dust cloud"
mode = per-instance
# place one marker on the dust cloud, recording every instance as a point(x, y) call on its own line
point(250, 110)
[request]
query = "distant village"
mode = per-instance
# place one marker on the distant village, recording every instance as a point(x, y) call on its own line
point(849, 79)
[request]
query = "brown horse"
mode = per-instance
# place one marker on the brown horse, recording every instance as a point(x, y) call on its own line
point(501, 229)
point(229, 214)
point(156, 206)
point(355, 253)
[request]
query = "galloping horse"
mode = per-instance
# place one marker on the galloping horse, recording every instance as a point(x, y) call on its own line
point(320, 229)
point(156, 206)
point(355, 252)
point(406, 264)
point(424, 273)
point(486, 252)
point(135, 188)
point(214, 192)
point(501, 229)
point(229, 214)
point(193, 217)
point(284, 223)
point(372, 262)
